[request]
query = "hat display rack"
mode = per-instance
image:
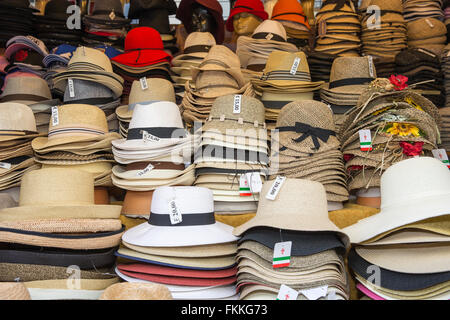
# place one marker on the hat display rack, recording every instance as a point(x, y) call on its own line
point(192, 150)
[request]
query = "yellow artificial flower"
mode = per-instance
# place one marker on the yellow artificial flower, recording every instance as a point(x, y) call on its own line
point(403, 129)
point(412, 103)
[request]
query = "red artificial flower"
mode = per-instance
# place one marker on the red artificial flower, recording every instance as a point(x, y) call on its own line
point(399, 82)
point(412, 149)
point(355, 168)
point(348, 157)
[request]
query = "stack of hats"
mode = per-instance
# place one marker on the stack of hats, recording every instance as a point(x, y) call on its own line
point(136, 291)
point(291, 242)
point(16, 18)
point(349, 77)
point(78, 137)
point(402, 254)
point(386, 36)
point(196, 48)
point(286, 78)
point(52, 27)
point(423, 69)
point(17, 129)
point(305, 146)
point(233, 153)
point(320, 65)
point(106, 25)
point(155, 90)
point(418, 9)
point(445, 112)
point(55, 62)
point(25, 54)
point(390, 123)
point(445, 130)
point(155, 150)
point(218, 74)
point(253, 51)
point(182, 247)
point(57, 241)
point(155, 14)
point(427, 33)
point(447, 17)
point(290, 14)
point(144, 57)
point(338, 28)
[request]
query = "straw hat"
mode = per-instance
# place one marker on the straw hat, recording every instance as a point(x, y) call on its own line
point(16, 122)
point(196, 46)
point(26, 90)
point(47, 193)
point(136, 291)
point(13, 291)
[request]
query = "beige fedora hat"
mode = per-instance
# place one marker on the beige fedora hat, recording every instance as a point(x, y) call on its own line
point(196, 46)
point(158, 90)
point(17, 121)
point(291, 210)
point(26, 90)
point(74, 123)
point(136, 291)
point(48, 193)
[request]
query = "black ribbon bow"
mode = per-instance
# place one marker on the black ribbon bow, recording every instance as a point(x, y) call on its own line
point(315, 133)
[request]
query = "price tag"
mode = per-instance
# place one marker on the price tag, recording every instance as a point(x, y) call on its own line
point(147, 169)
point(237, 103)
point(244, 187)
point(282, 254)
point(295, 65)
point(441, 155)
point(276, 186)
point(5, 165)
point(287, 293)
point(332, 295)
point(112, 15)
point(71, 88)
point(315, 293)
point(255, 182)
point(365, 140)
point(269, 36)
point(148, 137)
point(429, 23)
point(55, 116)
point(175, 214)
point(144, 84)
point(371, 72)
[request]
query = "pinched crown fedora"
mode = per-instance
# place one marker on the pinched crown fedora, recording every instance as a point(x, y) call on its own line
point(197, 226)
point(49, 193)
point(16, 121)
point(26, 90)
point(411, 190)
point(73, 123)
point(109, 10)
point(196, 47)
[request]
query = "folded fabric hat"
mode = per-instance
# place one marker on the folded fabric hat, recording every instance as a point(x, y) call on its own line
point(136, 291)
point(254, 7)
point(289, 11)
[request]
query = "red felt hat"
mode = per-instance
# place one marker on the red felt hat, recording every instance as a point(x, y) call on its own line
point(143, 47)
point(147, 268)
point(254, 7)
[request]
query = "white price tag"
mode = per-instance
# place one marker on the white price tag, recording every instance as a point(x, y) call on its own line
point(71, 88)
point(237, 103)
point(148, 137)
point(147, 169)
point(244, 187)
point(112, 15)
point(441, 155)
point(371, 69)
point(144, 84)
point(332, 295)
point(55, 116)
point(295, 65)
point(276, 186)
point(175, 214)
point(5, 165)
point(365, 140)
point(287, 293)
point(282, 254)
point(315, 293)
point(254, 181)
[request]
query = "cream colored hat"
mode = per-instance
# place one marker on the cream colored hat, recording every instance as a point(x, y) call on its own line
point(26, 90)
point(16, 121)
point(13, 291)
point(136, 291)
point(196, 46)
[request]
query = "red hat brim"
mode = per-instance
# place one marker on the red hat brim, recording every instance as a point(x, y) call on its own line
point(142, 58)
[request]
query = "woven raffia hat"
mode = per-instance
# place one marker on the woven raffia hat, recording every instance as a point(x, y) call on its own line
point(212, 84)
point(158, 90)
point(26, 90)
point(47, 194)
point(16, 121)
point(196, 46)
point(74, 123)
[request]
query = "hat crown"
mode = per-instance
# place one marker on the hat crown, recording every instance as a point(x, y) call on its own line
point(352, 67)
point(27, 86)
point(271, 27)
point(143, 38)
point(59, 186)
point(199, 38)
point(283, 61)
point(158, 90)
point(57, 7)
point(87, 90)
point(162, 114)
point(101, 6)
point(16, 116)
point(412, 179)
point(189, 200)
point(250, 5)
point(425, 28)
point(86, 55)
point(289, 10)
point(223, 54)
point(391, 5)
point(251, 109)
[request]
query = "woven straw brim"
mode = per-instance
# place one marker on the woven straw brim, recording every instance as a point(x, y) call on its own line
point(64, 143)
point(85, 284)
point(14, 167)
point(365, 179)
point(186, 179)
point(213, 136)
point(59, 225)
point(20, 138)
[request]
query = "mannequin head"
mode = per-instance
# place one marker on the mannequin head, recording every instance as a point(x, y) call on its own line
point(245, 23)
point(202, 20)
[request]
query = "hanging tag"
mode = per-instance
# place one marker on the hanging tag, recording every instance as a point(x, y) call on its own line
point(244, 187)
point(55, 116)
point(315, 293)
point(287, 293)
point(426, 52)
point(254, 180)
point(71, 88)
point(147, 169)
point(429, 23)
point(269, 36)
point(365, 140)
point(371, 72)
point(441, 155)
point(5, 165)
point(112, 15)
point(237, 103)
point(144, 84)
point(148, 137)
point(332, 295)
point(174, 212)
point(276, 186)
point(282, 254)
point(295, 65)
